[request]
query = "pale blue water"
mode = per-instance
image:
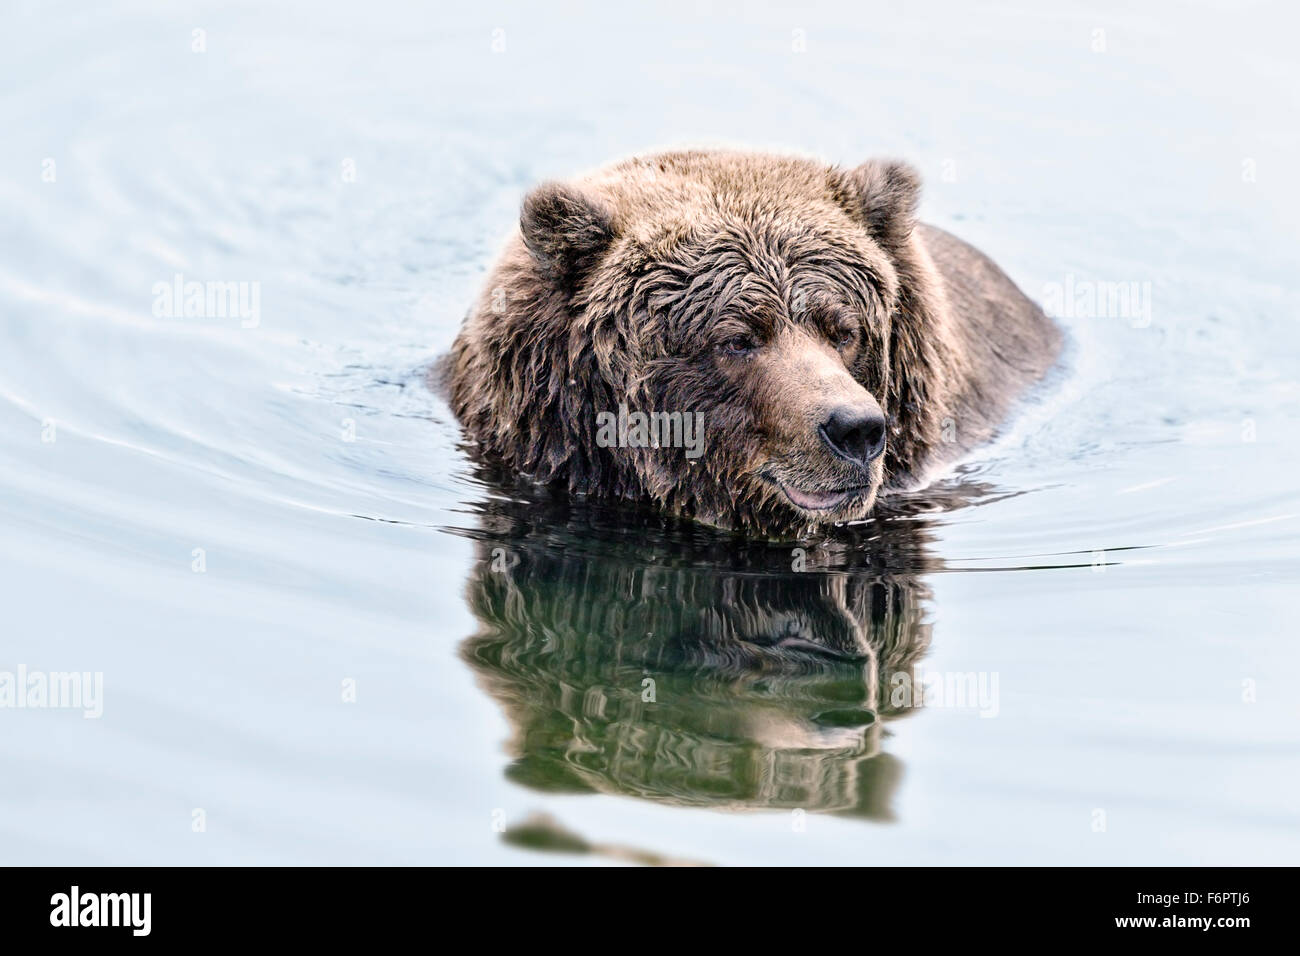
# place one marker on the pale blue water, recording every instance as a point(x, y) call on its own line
point(1130, 577)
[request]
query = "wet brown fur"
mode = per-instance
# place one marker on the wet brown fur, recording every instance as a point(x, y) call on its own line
point(634, 284)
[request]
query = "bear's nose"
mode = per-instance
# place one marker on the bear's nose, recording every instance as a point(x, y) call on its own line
point(856, 433)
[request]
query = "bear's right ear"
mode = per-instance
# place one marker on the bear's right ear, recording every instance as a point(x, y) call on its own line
point(884, 194)
point(565, 231)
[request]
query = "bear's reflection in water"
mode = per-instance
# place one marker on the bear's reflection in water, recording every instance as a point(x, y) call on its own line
point(682, 666)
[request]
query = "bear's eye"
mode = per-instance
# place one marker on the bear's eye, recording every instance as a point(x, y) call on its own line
point(738, 344)
point(844, 336)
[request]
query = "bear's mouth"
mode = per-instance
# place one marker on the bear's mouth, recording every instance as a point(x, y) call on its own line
point(822, 499)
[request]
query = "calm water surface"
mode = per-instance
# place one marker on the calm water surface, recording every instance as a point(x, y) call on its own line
point(322, 629)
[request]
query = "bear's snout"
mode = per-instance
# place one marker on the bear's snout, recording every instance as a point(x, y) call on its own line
point(856, 432)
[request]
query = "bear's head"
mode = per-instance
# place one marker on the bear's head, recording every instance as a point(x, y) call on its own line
point(746, 340)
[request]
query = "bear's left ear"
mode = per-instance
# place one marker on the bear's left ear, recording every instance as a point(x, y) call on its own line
point(565, 230)
point(883, 194)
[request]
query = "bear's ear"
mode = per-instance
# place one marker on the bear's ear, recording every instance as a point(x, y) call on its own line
point(883, 194)
point(565, 231)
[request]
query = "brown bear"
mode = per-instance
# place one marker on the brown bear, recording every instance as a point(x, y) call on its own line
point(758, 342)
